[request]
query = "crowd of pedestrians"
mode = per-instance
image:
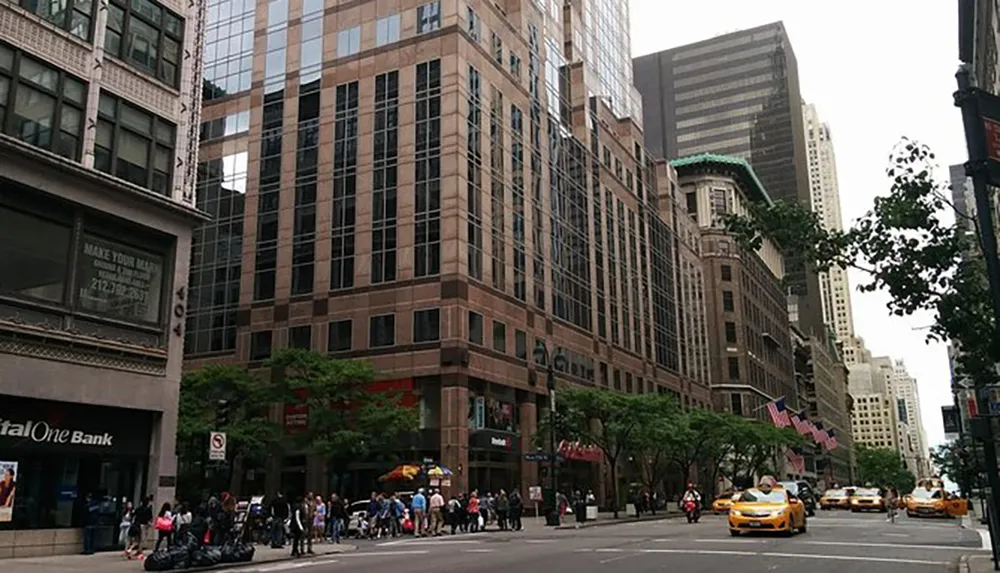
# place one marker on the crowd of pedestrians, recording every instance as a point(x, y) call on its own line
point(212, 522)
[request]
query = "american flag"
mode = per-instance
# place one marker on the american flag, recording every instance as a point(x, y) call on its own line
point(801, 426)
point(798, 462)
point(831, 441)
point(819, 435)
point(776, 409)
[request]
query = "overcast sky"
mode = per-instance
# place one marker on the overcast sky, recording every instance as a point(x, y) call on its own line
point(876, 70)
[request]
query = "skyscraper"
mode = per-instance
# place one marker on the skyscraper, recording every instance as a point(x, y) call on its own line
point(737, 95)
point(98, 140)
point(440, 188)
point(824, 191)
point(903, 388)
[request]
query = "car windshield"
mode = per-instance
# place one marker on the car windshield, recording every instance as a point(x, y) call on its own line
point(756, 496)
point(870, 492)
point(358, 506)
point(924, 493)
point(792, 487)
point(834, 493)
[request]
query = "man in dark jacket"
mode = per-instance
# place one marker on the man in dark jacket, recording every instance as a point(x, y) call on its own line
point(279, 515)
point(516, 507)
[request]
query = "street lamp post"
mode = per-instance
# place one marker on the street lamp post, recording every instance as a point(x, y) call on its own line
point(542, 355)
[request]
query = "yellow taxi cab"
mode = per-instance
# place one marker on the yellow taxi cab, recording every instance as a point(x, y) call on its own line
point(834, 499)
point(767, 508)
point(930, 499)
point(868, 499)
point(724, 502)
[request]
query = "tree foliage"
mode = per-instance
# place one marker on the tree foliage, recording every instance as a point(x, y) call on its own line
point(883, 467)
point(905, 246)
point(956, 460)
point(658, 436)
point(345, 420)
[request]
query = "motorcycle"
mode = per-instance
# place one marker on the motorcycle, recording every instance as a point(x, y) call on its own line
point(692, 511)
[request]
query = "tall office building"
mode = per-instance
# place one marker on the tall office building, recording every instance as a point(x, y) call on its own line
point(737, 95)
point(98, 139)
point(874, 418)
point(903, 387)
point(438, 187)
point(824, 192)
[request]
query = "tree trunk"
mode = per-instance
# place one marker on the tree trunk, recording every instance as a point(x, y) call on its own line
point(614, 486)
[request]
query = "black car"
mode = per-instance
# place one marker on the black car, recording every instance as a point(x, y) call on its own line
point(804, 492)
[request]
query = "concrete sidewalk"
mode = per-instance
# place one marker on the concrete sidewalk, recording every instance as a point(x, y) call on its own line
point(114, 562)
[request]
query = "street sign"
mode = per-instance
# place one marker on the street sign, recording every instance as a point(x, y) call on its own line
point(542, 457)
point(535, 493)
point(952, 421)
point(217, 446)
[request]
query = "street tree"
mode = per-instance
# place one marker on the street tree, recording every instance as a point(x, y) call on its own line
point(611, 421)
point(956, 460)
point(251, 436)
point(346, 421)
point(754, 447)
point(654, 450)
point(700, 440)
point(883, 467)
point(906, 246)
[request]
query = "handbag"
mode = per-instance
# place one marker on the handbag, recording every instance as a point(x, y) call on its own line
point(164, 523)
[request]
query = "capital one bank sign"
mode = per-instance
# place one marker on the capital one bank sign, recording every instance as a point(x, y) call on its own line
point(45, 433)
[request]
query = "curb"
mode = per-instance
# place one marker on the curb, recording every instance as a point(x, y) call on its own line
point(607, 522)
point(963, 564)
point(347, 548)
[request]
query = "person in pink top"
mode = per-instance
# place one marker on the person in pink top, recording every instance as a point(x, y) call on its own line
point(473, 511)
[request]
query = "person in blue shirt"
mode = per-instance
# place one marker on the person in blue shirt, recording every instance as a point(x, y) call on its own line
point(92, 518)
point(419, 507)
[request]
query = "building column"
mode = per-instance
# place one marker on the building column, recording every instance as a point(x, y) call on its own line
point(455, 431)
point(528, 424)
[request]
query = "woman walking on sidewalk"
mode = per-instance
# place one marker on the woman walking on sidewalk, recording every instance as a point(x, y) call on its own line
point(164, 526)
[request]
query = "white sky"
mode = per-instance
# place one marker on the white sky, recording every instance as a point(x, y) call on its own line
point(876, 70)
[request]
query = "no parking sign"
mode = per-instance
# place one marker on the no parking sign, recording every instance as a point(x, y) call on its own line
point(217, 446)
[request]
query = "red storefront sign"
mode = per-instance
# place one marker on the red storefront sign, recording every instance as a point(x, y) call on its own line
point(991, 128)
point(297, 414)
point(579, 452)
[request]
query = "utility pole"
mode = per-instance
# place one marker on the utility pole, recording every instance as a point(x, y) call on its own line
point(542, 355)
point(972, 101)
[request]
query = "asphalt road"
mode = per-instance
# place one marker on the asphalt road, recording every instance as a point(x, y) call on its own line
point(835, 543)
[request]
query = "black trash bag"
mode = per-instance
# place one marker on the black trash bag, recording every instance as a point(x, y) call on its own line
point(206, 557)
point(190, 541)
point(158, 561)
point(244, 552)
point(179, 557)
point(229, 554)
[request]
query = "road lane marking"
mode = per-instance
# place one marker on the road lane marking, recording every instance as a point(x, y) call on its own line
point(894, 545)
point(385, 553)
point(767, 554)
point(479, 550)
point(897, 535)
point(984, 537)
point(539, 540)
point(620, 557)
point(419, 542)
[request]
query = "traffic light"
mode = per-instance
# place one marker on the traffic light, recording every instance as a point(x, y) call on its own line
point(222, 414)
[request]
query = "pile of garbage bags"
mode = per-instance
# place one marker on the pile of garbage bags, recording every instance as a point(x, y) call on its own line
point(191, 553)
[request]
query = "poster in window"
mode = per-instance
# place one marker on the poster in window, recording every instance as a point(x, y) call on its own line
point(120, 281)
point(477, 412)
point(500, 415)
point(8, 486)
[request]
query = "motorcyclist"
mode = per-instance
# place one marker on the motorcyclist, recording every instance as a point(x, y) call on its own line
point(692, 495)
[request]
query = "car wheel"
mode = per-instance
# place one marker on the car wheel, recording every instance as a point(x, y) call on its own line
point(734, 532)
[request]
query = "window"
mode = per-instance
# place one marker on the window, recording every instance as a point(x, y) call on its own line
point(719, 202)
point(499, 337)
point(726, 271)
point(618, 379)
point(134, 145)
point(382, 331)
point(731, 332)
point(34, 255)
point(427, 170)
point(146, 35)
point(734, 368)
point(300, 337)
point(605, 378)
point(727, 301)
point(72, 15)
point(260, 345)
point(427, 325)
point(691, 200)
point(475, 328)
point(521, 345)
point(228, 49)
point(47, 104)
point(736, 404)
point(474, 24)
point(232, 124)
point(339, 336)
point(348, 42)
point(387, 30)
point(515, 66)
point(497, 47)
point(384, 175)
point(428, 17)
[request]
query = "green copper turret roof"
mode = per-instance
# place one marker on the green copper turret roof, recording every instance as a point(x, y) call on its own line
point(736, 166)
